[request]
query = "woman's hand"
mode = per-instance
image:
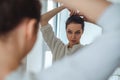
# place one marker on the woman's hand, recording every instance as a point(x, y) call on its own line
point(78, 13)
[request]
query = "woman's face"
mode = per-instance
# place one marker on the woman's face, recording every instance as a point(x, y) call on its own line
point(74, 32)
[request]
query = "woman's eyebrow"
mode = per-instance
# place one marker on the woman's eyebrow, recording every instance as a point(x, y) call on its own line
point(77, 31)
point(69, 29)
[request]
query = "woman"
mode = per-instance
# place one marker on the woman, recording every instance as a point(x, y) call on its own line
point(74, 31)
point(19, 20)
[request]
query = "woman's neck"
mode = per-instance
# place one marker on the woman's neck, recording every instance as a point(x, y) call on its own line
point(7, 65)
point(9, 60)
point(71, 45)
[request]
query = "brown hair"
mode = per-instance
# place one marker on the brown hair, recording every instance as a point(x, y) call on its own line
point(12, 12)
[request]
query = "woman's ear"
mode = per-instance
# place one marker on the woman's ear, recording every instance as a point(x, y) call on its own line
point(30, 29)
point(30, 34)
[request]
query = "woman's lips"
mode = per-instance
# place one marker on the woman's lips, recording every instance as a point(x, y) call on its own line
point(73, 41)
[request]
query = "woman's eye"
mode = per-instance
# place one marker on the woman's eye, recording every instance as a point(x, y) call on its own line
point(77, 32)
point(69, 32)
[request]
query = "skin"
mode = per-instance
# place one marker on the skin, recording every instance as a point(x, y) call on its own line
point(74, 32)
point(91, 9)
point(15, 46)
point(47, 16)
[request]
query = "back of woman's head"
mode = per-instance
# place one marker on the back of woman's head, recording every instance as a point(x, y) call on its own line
point(12, 12)
point(75, 19)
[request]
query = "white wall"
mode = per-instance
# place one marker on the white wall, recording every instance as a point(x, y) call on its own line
point(115, 1)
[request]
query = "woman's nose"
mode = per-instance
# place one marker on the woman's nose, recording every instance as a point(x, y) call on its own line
point(73, 36)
